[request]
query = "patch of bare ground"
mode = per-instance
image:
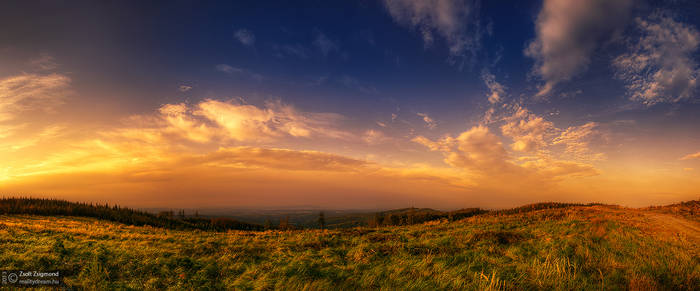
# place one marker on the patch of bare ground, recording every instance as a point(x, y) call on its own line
point(657, 222)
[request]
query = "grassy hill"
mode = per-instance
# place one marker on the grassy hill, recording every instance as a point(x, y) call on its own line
point(165, 219)
point(563, 248)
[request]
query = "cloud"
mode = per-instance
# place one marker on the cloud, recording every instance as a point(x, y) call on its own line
point(295, 50)
point(223, 122)
point(481, 152)
point(184, 88)
point(529, 134)
point(567, 32)
point(476, 150)
point(242, 121)
point(577, 139)
point(373, 137)
point(354, 83)
point(555, 168)
point(479, 148)
point(228, 69)
point(46, 133)
point(276, 158)
point(659, 66)
point(691, 156)
point(456, 21)
point(429, 122)
point(534, 134)
point(29, 92)
point(44, 62)
point(180, 121)
point(9, 130)
point(231, 176)
point(496, 91)
point(233, 70)
point(246, 37)
point(326, 45)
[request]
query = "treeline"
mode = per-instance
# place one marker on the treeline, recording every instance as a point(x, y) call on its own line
point(165, 219)
point(409, 216)
point(539, 206)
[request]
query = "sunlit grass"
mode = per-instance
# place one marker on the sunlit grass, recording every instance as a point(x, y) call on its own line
point(560, 249)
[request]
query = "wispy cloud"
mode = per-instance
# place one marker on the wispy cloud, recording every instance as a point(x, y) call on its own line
point(373, 137)
point(567, 33)
point(246, 37)
point(215, 121)
point(228, 69)
point(429, 122)
point(277, 158)
point(294, 50)
point(44, 62)
point(694, 156)
point(577, 140)
point(457, 21)
point(354, 83)
point(234, 70)
point(659, 66)
point(184, 88)
point(497, 92)
point(325, 44)
point(31, 92)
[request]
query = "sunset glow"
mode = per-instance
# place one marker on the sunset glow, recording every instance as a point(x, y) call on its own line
point(387, 104)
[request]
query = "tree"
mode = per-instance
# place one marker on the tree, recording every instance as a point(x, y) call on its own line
point(377, 220)
point(388, 219)
point(284, 223)
point(321, 220)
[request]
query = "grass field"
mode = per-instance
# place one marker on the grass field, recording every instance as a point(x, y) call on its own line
point(595, 247)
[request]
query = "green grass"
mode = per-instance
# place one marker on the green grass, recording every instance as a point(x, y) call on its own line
point(579, 248)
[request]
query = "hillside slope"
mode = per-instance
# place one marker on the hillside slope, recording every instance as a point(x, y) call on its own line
point(564, 248)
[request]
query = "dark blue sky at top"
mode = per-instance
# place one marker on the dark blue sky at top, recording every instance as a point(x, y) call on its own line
point(135, 55)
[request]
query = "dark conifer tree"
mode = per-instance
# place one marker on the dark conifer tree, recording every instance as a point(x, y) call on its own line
point(321, 220)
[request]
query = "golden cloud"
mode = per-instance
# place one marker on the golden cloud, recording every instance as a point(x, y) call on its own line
point(31, 92)
point(480, 151)
point(528, 134)
point(691, 156)
point(577, 140)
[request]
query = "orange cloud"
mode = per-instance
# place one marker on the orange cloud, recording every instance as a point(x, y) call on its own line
point(229, 152)
point(691, 156)
point(480, 151)
point(31, 92)
point(373, 137)
point(274, 158)
point(247, 122)
point(528, 134)
point(577, 138)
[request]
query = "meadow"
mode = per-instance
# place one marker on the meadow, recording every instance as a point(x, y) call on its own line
point(565, 248)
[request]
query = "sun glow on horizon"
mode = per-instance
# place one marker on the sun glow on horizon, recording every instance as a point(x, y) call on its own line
point(322, 116)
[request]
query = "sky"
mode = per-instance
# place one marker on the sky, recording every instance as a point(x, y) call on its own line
point(350, 104)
